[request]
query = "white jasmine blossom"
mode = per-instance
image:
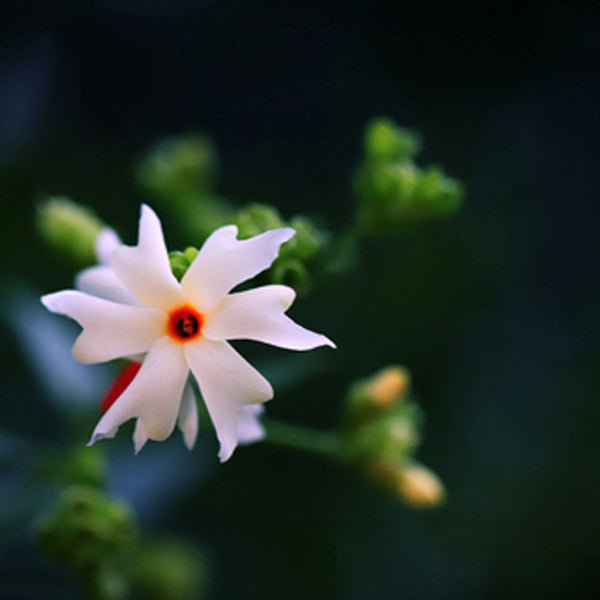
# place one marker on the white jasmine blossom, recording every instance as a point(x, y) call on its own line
point(136, 306)
point(102, 281)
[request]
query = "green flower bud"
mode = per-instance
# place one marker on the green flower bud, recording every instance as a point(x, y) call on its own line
point(307, 242)
point(290, 272)
point(180, 172)
point(384, 140)
point(70, 227)
point(180, 261)
point(297, 256)
point(437, 195)
point(257, 218)
point(392, 190)
point(179, 168)
point(168, 570)
point(85, 528)
point(391, 436)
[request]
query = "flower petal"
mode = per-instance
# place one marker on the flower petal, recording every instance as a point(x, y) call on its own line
point(258, 314)
point(154, 396)
point(188, 416)
point(139, 436)
point(249, 427)
point(224, 261)
point(106, 243)
point(227, 383)
point(110, 330)
point(101, 281)
point(144, 269)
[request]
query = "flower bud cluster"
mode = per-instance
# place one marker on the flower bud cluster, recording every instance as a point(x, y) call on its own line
point(179, 168)
point(96, 538)
point(392, 190)
point(380, 434)
point(86, 528)
point(180, 172)
point(298, 256)
point(70, 228)
point(168, 569)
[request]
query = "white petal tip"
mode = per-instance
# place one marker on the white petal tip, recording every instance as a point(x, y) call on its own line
point(189, 441)
point(101, 435)
point(139, 436)
point(286, 234)
point(49, 301)
point(95, 438)
point(225, 454)
point(106, 243)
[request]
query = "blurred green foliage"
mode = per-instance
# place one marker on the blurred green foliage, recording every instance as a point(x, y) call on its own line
point(70, 228)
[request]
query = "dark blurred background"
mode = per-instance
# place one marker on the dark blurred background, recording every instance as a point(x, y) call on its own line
point(495, 310)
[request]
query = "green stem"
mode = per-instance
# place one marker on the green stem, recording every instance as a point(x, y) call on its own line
point(301, 438)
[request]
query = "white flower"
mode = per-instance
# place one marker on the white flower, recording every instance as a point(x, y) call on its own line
point(183, 327)
point(102, 281)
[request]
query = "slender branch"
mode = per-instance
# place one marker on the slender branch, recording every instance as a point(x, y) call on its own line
point(301, 438)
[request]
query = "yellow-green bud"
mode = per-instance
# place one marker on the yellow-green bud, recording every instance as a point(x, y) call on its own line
point(411, 483)
point(70, 228)
point(420, 487)
point(386, 388)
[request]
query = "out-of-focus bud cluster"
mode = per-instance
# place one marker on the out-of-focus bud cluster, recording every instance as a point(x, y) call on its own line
point(297, 258)
point(79, 465)
point(180, 173)
point(95, 537)
point(392, 190)
point(380, 434)
point(179, 167)
point(165, 569)
point(86, 528)
point(70, 228)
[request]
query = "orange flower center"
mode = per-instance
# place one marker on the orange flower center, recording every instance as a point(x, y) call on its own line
point(185, 323)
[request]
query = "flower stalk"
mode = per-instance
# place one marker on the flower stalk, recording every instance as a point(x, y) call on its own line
point(287, 435)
